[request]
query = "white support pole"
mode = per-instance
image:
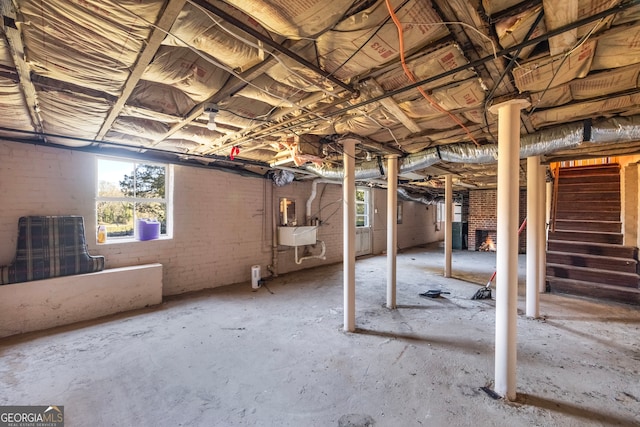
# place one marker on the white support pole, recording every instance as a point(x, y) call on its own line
point(507, 250)
point(448, 223)
point(349, 234)
point(534, 224)
point(392, 228)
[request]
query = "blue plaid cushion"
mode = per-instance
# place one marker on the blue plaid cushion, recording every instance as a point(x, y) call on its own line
point(50, 246)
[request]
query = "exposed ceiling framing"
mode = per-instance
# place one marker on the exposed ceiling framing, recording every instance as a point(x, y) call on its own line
point(291, 78)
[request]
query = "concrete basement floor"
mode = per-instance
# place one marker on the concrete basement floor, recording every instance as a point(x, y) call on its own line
point(234, 357)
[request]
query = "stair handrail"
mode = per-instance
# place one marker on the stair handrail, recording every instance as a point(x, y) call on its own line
point(554, 198)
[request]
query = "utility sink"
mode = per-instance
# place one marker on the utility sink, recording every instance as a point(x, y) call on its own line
point(297, 236)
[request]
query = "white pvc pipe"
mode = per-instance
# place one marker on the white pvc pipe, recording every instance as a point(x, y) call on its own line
point(349, 234)
point(507, 248)
point(534, 224)
point(448, 223)
point(392, 228)
point(314, 192)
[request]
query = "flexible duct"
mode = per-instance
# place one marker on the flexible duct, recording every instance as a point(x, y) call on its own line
point(373, 169)
point(420, 160)
point(365, 170)
point(469, 153)
point(550, 140)
point(616, 130)
point(425, 199)
point(540, 143)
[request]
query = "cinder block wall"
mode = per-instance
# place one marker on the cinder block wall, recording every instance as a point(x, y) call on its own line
point(223, 222)
point(483, 210)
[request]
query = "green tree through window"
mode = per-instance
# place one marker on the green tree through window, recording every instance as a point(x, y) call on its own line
point(129, 191)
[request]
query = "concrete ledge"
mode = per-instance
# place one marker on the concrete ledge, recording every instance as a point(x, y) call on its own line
point(43, 304)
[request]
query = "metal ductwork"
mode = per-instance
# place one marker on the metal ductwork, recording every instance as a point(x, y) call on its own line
point(469, 153)
point(420, 160)
point(376, 168)
point(619, 129)
point(425, 199)
point(544, 142)
point(366, 170)
point(550, 140)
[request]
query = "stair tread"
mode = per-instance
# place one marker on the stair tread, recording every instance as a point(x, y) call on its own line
point(618, 288)
point(586, 231)
point(594, 256)
point(589, 269)
point(604, 245)
point(583, 243)
point(595, 221)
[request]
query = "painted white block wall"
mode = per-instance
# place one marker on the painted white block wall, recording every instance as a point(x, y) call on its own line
point(43, 304)
point(222, 221)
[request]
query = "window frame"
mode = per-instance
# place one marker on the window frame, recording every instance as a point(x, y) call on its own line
point(367, 207)
point(167, 200)
point(440, 212)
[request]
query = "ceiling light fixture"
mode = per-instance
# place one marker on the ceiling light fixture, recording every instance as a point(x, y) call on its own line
point(212, 111)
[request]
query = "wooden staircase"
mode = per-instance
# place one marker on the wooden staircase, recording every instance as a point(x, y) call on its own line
point(585, 255)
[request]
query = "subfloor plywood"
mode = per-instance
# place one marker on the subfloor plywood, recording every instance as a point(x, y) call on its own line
point(279, 357)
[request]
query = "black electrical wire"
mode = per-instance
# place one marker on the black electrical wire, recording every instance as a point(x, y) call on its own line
point(243, 117)
point(507, 69)
point(380, 27)
point(555, 74)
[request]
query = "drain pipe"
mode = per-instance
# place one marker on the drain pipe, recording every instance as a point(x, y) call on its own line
point(273, 268)
point(319, 256)
point(314, 192)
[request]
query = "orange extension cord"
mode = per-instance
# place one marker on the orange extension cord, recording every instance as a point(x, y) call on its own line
point(413, 79)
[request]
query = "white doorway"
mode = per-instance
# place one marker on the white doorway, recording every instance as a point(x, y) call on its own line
point(364, 236)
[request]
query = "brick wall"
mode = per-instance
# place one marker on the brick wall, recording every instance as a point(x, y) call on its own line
point(483, 215)
point(223, 222)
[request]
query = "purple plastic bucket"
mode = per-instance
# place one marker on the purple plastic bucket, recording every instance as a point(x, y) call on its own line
point(148, 229)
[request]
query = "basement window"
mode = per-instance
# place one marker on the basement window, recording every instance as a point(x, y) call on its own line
point(132, 200)
point(362, 207)
point(440, 212)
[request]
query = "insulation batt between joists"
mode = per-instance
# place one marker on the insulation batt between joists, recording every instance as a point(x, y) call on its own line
point(12, 105)
point(272, 92)
point(161, 98)
point(106, 39)
point(200, 30)
point(617, 47)
point(512, 30)
point(539, 75)
point(603, 83)
point(5, 54)
point(434, 63)
point(556, 15)
point(357, 45)
point(72, 114)
point(295, 19)
point(185, 70)
point(495, 6)
point(585, 110)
